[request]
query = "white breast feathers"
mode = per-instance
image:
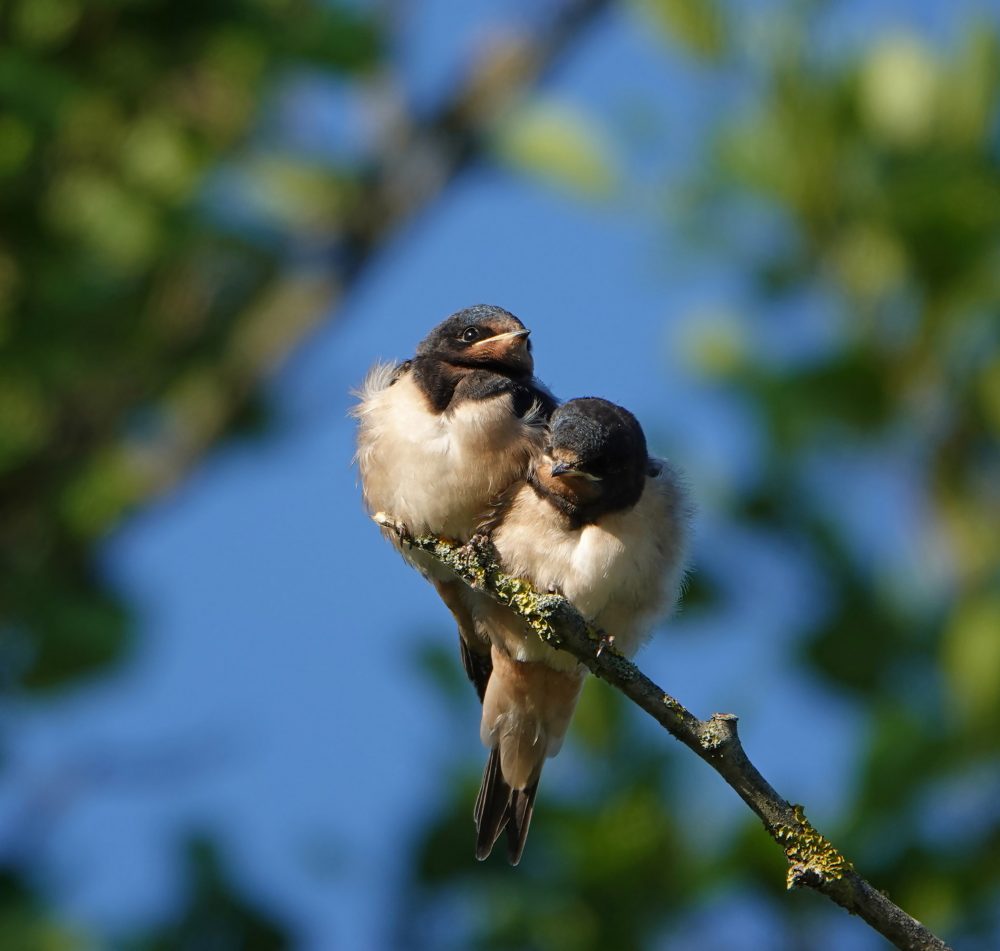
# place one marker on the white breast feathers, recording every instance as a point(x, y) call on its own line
point(620, 573)
point(437, 472)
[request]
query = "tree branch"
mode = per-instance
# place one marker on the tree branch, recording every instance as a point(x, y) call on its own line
point(813, 861)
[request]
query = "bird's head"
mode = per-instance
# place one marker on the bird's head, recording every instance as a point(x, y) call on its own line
point(481, 337)
point(596, 456)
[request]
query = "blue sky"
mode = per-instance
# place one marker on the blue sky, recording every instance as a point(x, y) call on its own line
point(278, 629)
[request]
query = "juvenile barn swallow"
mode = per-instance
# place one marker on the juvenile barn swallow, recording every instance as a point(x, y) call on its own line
point(599, 521)
point(441, 435)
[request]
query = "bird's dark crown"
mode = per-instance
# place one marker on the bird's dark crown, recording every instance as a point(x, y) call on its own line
point(597, 460)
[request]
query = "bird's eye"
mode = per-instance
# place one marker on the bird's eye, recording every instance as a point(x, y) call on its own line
point(470, 334)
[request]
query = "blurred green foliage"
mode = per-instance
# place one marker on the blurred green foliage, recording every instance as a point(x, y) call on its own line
point(25, 923)
point(698, 26)
point(133, 326)
point(214, 914)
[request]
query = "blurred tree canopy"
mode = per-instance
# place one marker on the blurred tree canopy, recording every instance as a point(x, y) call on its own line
point(213, 915)
point(884, 173)
point(135, 326)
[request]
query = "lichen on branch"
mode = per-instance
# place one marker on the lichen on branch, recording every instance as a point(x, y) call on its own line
point(809, 853)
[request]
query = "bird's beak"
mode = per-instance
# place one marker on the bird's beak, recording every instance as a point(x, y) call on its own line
point(566, 469)
point(516, 337)
point(510, 348)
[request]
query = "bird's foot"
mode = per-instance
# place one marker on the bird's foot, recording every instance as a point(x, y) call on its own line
point(605, 641)
point(394, 525)
point(481, 547)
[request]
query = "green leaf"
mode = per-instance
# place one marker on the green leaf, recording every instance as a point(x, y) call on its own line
point(560, 143)
point(971, 654)
point(696, 24)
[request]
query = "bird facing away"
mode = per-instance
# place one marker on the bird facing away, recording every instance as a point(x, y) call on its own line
point(441, 435)
point(601, 523)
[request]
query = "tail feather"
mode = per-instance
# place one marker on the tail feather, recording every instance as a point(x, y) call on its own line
point(500, 807)
point(492, 806)
point(522, 805)
point(526, 710)
point(478, 665)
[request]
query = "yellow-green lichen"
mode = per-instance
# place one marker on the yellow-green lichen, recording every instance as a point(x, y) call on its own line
point(713, 735)
point(535, 608)
point(671, 704)
point(808, 852)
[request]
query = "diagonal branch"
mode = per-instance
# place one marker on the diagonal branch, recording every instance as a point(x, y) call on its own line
point(813, 861)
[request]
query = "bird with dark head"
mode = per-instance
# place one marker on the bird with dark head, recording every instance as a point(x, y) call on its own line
point(599, 460)
point(442, 434)
point(600, 522)
point(481, 338)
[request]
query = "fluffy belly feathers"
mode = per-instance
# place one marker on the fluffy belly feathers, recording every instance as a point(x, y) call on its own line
point(590, 566)
point(444, 469)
